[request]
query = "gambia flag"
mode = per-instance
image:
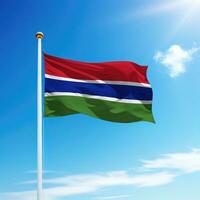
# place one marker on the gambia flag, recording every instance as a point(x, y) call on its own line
point(115, 91)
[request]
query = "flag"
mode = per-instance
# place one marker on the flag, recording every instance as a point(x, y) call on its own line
point(115, 91)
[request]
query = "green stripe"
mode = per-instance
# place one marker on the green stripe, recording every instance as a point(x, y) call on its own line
point(107, 110)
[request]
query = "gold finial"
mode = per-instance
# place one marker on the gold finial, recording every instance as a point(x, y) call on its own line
point(39, 35)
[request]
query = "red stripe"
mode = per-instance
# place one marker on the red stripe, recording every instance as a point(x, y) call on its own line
point(110, 71)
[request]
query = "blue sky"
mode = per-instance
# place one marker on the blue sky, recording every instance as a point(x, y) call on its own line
point(87, 158)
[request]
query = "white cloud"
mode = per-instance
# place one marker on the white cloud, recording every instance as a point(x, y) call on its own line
point(156, 172)
point(175, 59)
point(28, 195)
point(113, 179)
point(110, 179)
point(89, 183)
point(185, 162)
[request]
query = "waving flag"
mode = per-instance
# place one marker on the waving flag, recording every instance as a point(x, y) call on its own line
point(114, 91)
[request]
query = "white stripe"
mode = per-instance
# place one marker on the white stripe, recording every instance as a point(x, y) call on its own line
point(98, 81)
point(98, 97)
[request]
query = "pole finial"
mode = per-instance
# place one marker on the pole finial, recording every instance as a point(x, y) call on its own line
point(39, 35)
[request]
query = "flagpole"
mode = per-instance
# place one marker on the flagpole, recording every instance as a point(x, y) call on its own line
point(39, 36)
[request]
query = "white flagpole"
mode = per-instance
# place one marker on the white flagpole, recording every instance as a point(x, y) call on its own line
point(39, 36)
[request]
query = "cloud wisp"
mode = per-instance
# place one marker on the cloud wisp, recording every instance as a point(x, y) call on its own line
point(44, 172)
point(112, 197)
point(156, 172)
point(184, 162)
point(90, 183)
point(175, 59)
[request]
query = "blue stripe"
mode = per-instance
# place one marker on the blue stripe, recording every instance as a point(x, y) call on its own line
point(108, 90)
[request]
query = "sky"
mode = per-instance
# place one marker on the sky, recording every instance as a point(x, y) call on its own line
point(88, 158)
